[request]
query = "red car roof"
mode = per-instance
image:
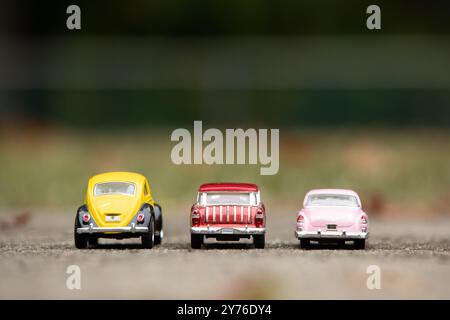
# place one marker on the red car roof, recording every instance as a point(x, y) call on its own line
point(228, 187)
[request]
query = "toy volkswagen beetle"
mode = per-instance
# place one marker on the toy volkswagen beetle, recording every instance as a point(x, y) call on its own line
point(228, 212)
point(119, 205)
point(332, 215)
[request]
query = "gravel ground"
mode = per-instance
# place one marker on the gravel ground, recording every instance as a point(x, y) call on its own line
point(413, 256)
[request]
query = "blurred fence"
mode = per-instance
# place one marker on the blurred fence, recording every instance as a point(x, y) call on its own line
point(282, 81)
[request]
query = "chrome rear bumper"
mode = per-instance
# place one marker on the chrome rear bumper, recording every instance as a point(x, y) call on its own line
point(228, 231)
point(331, 235)
point(130, 229)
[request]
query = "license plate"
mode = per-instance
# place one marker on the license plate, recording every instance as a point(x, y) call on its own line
point(112, 218)
point(332, 227)
point(227, 231)
point(332, 233)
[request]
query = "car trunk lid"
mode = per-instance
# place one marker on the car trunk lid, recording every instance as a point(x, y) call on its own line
point(332, 216)
point(115, 211)
point(228, 214)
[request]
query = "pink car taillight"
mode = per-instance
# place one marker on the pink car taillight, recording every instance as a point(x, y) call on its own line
point(140, 218)
point(86, 218)
point(259, 219)
point(364, 223)
point(195, 218)
point(300, 218)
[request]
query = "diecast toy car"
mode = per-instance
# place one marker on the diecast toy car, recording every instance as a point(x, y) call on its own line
point(119, 205)
point(228, 212)
point(332, 216)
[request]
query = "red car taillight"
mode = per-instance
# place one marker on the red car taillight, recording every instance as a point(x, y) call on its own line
point(300, 218)
point(86, 217)
point(259, 219)
point(195, 218)
point(140, 218)
point(364, 220)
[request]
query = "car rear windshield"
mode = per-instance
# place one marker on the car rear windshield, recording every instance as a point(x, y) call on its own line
point(228, 198)
point(106, 188)
point(332, 200)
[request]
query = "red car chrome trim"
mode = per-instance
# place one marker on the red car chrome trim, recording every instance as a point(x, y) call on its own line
point(236, 230)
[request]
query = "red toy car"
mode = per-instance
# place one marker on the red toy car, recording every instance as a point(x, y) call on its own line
point(228, 212)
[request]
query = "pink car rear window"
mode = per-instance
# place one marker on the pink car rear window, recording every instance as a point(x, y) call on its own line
point(332, 200)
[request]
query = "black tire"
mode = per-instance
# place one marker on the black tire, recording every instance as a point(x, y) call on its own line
point(305, 243)
point(159, 238)
point(158, 224)
point(148, 239)
point(81, 240)
point(259, 241)
point(93, 241)
point(360, 244)
point(197, 241)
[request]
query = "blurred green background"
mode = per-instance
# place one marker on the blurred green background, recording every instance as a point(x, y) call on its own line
point(356, 109)
point(397, 170)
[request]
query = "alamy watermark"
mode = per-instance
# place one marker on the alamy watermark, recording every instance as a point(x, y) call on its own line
point(73, 21)
point(374, 280)
point(73, 281)
point(373, 22)
point(236, 146)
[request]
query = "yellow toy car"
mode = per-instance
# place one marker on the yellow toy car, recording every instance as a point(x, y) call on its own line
point(119, 205)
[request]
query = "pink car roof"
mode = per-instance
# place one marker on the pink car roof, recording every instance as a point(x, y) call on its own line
point(208, 187)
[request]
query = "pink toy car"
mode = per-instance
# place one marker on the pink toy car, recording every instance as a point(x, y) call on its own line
point(332, 216)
